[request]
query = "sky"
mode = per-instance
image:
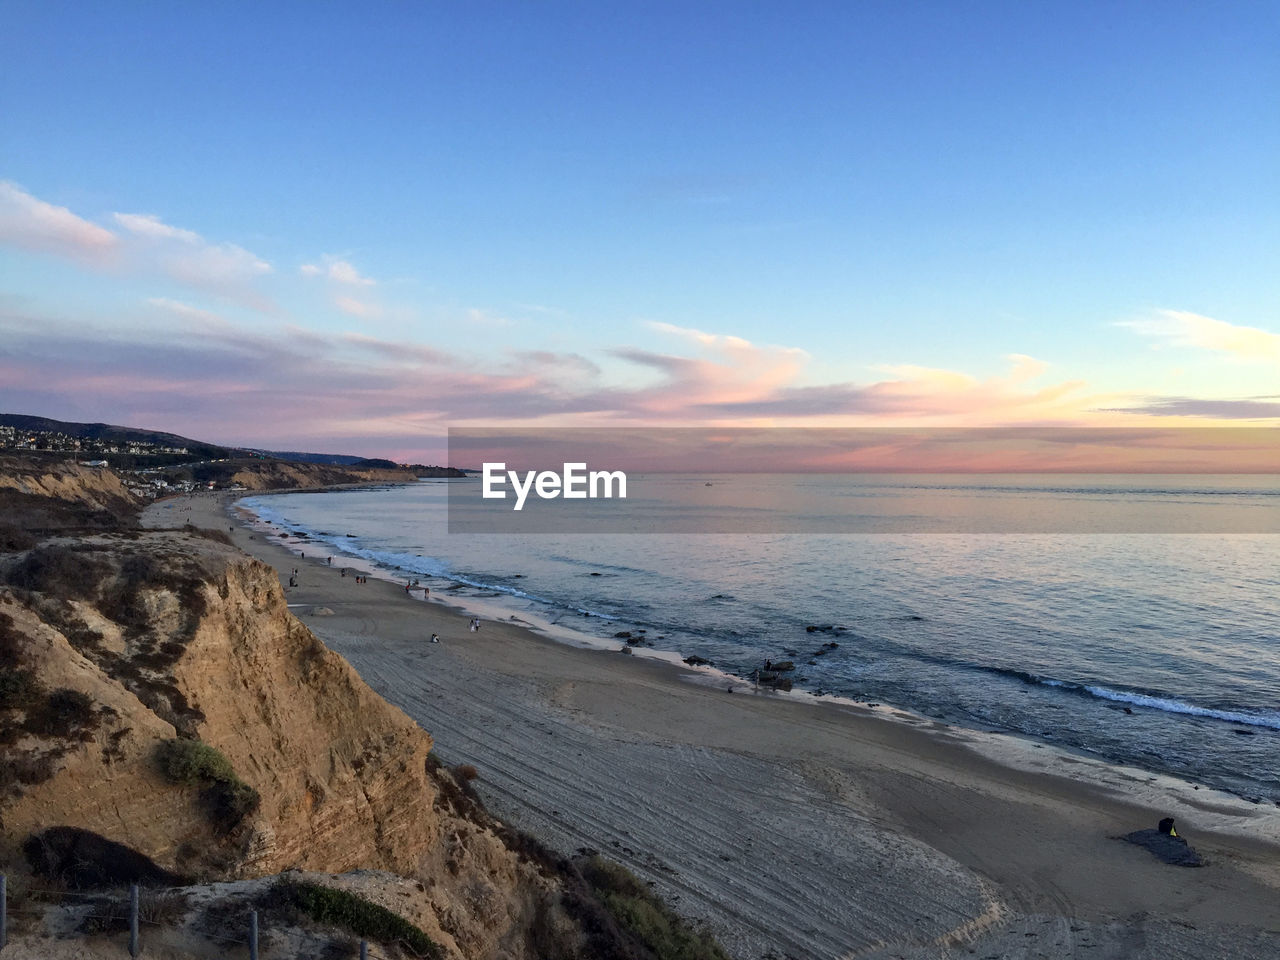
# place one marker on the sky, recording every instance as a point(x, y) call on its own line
point(349, 227)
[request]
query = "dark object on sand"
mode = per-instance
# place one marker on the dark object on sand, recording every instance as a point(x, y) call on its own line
point(1165, 843)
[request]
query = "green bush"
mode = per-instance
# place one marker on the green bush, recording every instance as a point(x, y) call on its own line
point(356, 915)
point(638, 911)
point(192, 763)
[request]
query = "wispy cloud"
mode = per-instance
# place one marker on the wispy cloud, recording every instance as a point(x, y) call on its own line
point(343, 281)
point(338, 270)
point(151, 226)
point(32, 224)
point(372, 394)
point(484, 318)
point(225, 270)
point(1180, 328)
point(356, 308)
point(1248, 408)
point(145, 245)
point(184, 310)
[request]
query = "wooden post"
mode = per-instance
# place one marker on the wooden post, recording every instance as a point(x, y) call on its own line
point(253, 935)
point(133, 921)
point(364, 950)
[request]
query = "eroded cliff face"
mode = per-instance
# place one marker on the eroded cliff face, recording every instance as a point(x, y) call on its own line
point(283, 475)
point(171, 635)
point(65, 481)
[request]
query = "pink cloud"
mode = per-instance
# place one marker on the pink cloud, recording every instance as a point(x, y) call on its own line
point(32, 224)
point(281, 389)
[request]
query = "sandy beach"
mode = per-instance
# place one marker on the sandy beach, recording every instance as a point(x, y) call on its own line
point(795, 828)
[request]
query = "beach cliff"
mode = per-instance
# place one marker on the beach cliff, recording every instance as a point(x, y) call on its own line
point(165, 718)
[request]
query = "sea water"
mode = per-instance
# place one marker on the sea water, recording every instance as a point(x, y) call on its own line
point(1153, 649)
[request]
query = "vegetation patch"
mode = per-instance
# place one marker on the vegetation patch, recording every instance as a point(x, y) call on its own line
point(208, 533)
point(352, 913)
point(59, 571)
point(18, 689)
point(195, 764)
point(641, 914)
point(14, 538)
point(62, 714)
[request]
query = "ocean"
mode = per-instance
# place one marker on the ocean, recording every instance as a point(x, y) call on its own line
point(1159, 650)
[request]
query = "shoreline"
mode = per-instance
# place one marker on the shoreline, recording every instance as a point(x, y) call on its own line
point(1016, 747)
point(697, 789)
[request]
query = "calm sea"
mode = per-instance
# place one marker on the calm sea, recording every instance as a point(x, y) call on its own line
point(1155, 649)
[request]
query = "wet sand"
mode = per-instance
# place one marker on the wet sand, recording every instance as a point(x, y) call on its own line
point(796, 828)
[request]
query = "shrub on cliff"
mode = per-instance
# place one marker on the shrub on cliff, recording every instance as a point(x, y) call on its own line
point(354, 914)
point(195, 764)
point(58, 571)
point(18, 689)
point(62, 714)
point(15, 538)
point(643, 915)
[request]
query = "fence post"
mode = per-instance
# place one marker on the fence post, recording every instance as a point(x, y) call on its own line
point(253, 935)
point(133, 921)
point(4, 910)
point(364, 950)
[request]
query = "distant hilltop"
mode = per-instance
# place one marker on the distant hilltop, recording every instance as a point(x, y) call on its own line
point(135, 448)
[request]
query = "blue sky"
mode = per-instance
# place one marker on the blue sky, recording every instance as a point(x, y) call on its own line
point(632, 192)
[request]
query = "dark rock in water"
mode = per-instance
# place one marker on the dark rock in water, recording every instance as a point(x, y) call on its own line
point(1243, 733)
point(813, 663)
point(818, 653)
point(635, 641)
point(831, 644)
point(1128, 710)
point(782, 666)
point(696, 661)
point(595, 574)
point(623, 635)
point(814, 628)
point(1170, 849)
